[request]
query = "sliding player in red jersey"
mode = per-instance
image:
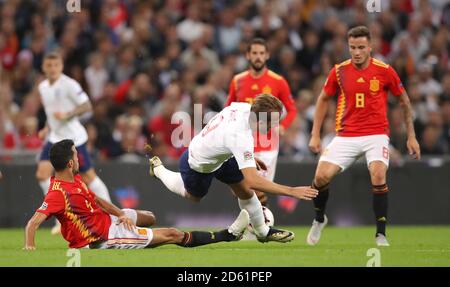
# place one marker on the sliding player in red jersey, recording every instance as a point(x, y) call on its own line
point(244, 87)
point(88, 220)
point(362, 128)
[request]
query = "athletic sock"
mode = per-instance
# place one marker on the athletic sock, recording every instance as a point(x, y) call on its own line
point(99, 188)
point(45, 185)
point(198, 238)
point(172, 180)
point(254, 209)
point(380, 207)
point(320, 202)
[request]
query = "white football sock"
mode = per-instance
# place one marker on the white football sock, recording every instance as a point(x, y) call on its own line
point(99, 188)
point(172, 180)
point(254, 209)
point(45, 185)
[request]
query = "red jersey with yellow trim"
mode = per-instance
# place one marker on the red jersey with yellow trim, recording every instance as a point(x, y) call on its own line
point(82, 220)
point(362, 103)
point(244, 88)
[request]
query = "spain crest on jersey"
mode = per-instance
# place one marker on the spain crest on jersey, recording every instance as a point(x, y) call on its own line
point(374, 85)
point(267, 90)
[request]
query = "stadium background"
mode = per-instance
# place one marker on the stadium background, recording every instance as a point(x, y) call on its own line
point(141, 61)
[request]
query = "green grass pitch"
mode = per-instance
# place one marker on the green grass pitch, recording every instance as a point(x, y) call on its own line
point(410, 246)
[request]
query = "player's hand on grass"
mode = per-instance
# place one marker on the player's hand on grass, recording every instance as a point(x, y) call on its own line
point(127, 222)
point(29, 248)
point(260, 165)
point(413, 147)
point(315, 144)
point(304, 192)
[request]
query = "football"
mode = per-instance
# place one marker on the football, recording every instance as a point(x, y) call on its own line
point(268, 216)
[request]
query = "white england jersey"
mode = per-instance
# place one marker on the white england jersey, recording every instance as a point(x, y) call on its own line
point(63, 96)
point(227, 134)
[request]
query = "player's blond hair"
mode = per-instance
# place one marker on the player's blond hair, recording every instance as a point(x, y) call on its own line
point(266, 103)
point(53, 56)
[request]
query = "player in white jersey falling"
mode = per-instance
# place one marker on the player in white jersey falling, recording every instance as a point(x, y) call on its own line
point(64, 100)
point(224, 150)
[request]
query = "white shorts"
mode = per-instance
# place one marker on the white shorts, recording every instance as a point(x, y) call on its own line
point(120, 237)
point(344, 151)
point(270, 159)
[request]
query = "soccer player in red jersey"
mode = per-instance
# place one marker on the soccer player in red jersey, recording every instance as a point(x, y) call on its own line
point(362, 128)
point(88, 220)
point(244, 87)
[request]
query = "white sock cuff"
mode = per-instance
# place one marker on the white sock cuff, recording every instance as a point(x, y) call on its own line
point(250, 204)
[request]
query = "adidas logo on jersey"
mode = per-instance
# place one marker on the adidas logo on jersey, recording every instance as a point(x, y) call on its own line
point(360, 80)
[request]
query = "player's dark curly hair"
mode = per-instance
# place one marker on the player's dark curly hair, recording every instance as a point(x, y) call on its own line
point(359, 31)
point(61, 153)
point(257, 41)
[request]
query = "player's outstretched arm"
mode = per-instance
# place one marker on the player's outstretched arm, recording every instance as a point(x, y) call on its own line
point(412, 144)
point(30, 230)
point(257, 182)
point(114, 210)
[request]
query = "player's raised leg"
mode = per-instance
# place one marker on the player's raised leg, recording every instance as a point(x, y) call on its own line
point(324, 174)
point(380, 190)
point(172, 180)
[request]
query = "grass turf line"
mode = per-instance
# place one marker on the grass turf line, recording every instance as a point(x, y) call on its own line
point(410, 246)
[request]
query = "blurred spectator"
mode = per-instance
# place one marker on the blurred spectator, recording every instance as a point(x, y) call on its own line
point(428, 86)
point(446, 121)
point(432, 143)
point(191, 28)
point(161, 129)
point(413, 38)
point(201, 57)
point(228, 32)
point(29, 134)
point(24, 76)
point(150, 59)
point(96, 77)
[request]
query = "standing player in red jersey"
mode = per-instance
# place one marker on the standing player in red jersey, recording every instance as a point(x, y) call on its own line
point(260, 80)
point(362, 128)
point(88, 220)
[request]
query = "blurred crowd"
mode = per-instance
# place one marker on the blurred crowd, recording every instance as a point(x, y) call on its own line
point(141, 61)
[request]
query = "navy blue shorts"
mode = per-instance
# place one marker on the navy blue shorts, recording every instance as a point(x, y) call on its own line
point(83, 156)
point(197, 183)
